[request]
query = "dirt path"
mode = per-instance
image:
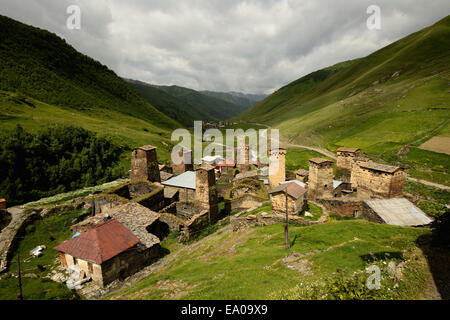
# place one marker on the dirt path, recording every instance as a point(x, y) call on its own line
point(429, 183)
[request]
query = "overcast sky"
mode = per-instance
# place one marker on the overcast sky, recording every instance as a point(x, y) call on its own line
point(222, 45)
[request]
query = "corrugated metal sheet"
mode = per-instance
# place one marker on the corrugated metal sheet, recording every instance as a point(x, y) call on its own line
point(184, 180)
point(399, 212)
point(101, 243)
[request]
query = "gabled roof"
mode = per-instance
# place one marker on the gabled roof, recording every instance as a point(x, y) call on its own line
point(293, 189)
point(344, 149)
point(184, 180)
point(379, 167)
point(101, 243)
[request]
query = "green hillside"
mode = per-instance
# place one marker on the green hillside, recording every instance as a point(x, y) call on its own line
point(244, 102)
point(325, 261)
point(213, 106)
point(171, 106)
point(397, 96)
point(40, 65)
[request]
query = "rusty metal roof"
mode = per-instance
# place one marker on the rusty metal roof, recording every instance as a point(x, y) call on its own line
point(344, 149)
point(101, 243)
point(227, 163)
point(379, 167)
point(293, 189)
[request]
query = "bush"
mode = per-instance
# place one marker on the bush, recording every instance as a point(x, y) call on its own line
point(55, 160)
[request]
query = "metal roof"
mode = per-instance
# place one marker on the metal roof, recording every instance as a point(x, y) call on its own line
point(301, 184)
point(399, 212)
point(184, 180)
point(101, 243)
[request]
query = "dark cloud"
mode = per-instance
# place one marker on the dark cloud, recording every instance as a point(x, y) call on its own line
point(250, 46)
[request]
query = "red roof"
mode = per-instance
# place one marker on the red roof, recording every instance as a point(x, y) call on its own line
point(101, 243)
point(226, 163)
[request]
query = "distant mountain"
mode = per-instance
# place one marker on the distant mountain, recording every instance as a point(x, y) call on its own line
point(252, 97)
point(43, 66)
point(397, 96)
point(212, 106)
point(44, 80)
point(241, 99)
point(170, 105)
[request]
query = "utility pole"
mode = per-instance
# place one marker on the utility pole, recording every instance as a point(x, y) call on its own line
point(286, 226)
point(20, 296)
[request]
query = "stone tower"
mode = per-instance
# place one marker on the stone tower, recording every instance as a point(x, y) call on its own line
point(344, 163)
point(144, 165)
point(320, 178)
point(206, 191)
point(277, 167)
point(186, 164)
point(244, 158)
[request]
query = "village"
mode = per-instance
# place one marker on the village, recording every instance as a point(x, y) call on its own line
point(124, 231)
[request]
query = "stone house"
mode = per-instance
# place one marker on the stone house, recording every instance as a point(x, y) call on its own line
point(379, 181)
point(296, 198)
point(107, 252)
point(184, 184)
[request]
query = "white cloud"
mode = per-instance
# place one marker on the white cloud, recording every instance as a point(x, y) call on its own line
point(249, 46)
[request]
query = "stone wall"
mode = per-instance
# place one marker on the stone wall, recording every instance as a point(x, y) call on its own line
point(295, 206)
point(128, 263)
point(347, 208)
point(245, 202)
point(206, 196)
point(144, 165)
point(378, 184)
point(320, 181)
point(345, 159)
point(197, 223)
point(238, 223)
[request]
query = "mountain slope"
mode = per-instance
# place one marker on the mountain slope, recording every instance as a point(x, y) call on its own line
point(214, 107)
point(239, 100)
point(170, 105)
point(41, 65)
point(394, 97)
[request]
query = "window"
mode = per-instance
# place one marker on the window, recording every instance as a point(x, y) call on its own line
point(90, 267)
point(75, 261)
point(355, 213)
